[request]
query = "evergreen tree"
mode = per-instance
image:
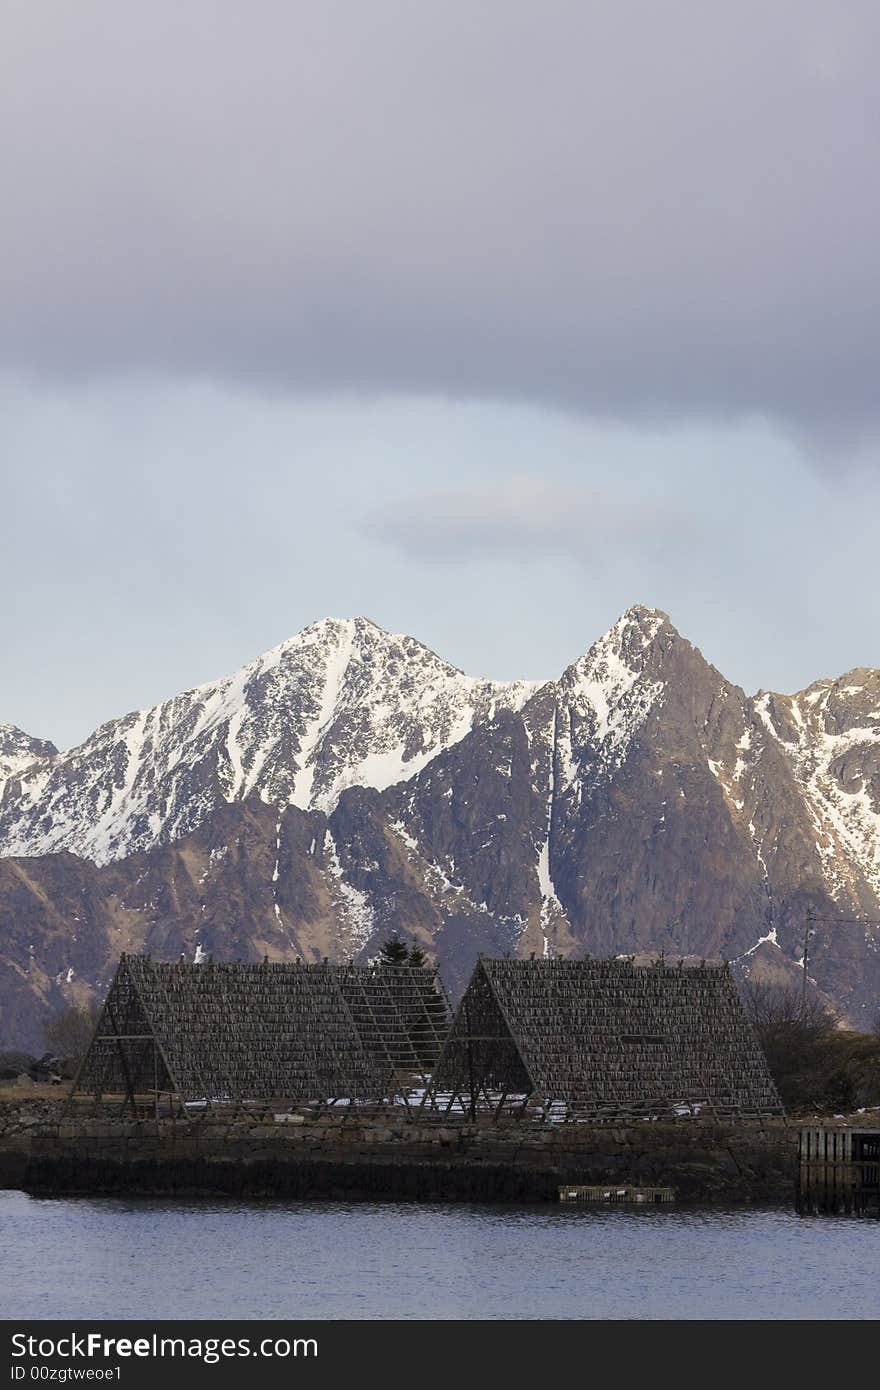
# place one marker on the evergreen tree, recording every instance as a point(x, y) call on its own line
point(394, 952)
point(417, 956)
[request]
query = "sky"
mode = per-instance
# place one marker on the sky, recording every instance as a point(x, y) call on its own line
point(484, 321)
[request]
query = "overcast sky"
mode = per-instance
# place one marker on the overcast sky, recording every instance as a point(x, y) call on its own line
point(485, 320)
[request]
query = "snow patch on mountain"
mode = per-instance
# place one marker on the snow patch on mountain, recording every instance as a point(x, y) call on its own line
point(550, 904)
point(354, 910)
point(332, 680)
point(831, 735)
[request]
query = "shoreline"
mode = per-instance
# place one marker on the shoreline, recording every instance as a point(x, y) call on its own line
point(358, 1156)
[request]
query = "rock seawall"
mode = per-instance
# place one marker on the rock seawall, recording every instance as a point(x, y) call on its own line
point(427, 1159)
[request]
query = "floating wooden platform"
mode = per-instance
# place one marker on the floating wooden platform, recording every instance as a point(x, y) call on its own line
point(614, 1193)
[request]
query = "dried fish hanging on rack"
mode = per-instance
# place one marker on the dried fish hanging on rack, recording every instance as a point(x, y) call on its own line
point(229, 1033)
point(604, 1040)
point(401, 1015)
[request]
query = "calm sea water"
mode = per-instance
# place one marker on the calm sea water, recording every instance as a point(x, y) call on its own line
point(157, 1259)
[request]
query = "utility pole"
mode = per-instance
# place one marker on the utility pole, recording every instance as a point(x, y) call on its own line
point(470, 1062)
point(810, 931)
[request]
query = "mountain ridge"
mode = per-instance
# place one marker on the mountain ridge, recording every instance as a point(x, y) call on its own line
point(350, 783)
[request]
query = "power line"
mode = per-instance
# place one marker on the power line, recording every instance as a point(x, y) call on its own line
point(843, 921)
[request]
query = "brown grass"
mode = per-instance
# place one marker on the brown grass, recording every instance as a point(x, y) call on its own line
point(41, 1090)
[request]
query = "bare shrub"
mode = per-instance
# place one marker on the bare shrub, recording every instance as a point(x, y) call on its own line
point(817, 1066)
point(69, 1033)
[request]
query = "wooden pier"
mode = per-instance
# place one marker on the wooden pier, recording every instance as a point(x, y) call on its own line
point(839, 1172)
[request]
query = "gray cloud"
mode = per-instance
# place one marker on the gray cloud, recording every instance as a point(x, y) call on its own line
point(650, 212)
point(527, 519)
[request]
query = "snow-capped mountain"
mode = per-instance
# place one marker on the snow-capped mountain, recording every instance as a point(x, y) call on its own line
point(350, 783)
point(341, 704)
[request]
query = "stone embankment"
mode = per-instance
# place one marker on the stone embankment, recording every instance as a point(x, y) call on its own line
point(353, 1154)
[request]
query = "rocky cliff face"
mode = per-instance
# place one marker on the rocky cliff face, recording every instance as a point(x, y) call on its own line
point(349, 784)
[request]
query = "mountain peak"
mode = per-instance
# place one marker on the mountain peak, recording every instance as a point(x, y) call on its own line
point(337, 626)
point(628, 641)
point(642, 615)
point(19, 750)
point(357, 634)
point(614, 686)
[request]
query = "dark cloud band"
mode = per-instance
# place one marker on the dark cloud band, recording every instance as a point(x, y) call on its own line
point(647, 212)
